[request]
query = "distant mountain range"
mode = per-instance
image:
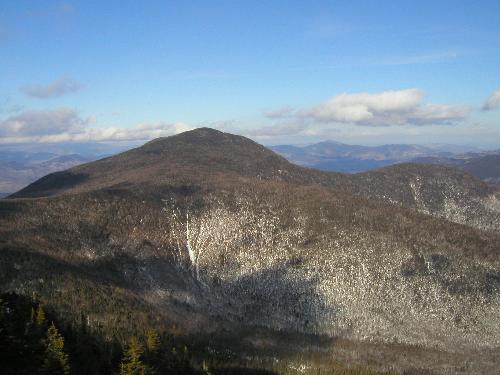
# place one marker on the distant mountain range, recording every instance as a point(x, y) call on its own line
point(22, 164)
point(343, 157)
point(335, 156)
point(20, 169)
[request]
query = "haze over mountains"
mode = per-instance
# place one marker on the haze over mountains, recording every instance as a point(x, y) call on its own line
point(14, 175)
point(335, 156)
point(341, 157)
point(22, 164)
point(211, 232)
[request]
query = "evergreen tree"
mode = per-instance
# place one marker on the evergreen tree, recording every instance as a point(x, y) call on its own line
point(40, 316)
point(152, 357)
point(132, 361)
point(56, 360)
point(152, 342)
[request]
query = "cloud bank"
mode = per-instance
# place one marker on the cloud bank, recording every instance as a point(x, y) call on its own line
point(42, 123)
point(66, 125)
point(59, 87)
point(493, 101)
point(388, 108)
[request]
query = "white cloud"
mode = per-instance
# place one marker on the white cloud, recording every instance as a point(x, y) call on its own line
point(364, 106)
point(42, 123)
point(437, 114)
point(493, 101)
point(139, 132)
point(388, 108)
point(66, 125)
point(59, 87)
point(301, 132)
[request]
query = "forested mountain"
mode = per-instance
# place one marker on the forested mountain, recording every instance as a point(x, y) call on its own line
point(485, 166)
point(220, 242)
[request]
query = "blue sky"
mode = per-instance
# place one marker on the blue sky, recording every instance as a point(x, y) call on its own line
point(279, 71)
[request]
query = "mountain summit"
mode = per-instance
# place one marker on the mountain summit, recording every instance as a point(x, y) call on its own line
point(194, 155)
point(217, 151)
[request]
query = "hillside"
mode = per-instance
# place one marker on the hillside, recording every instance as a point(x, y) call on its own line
point(485, 166)
point(210, 234)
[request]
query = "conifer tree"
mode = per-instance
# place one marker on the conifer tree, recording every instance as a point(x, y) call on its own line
point(152, 342)
point(132, 362)
point(40, 316)
point(56, 360)
point(152, 357)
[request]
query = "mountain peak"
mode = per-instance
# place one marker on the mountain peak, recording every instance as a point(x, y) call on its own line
point(201, 136)
point(207, 146)
point(203, 132)
point(194, 156)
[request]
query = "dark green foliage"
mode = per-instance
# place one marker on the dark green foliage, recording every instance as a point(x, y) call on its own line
point(40, 319)
point(152, 342)
point(27, 346)
point(153, 354)
point(132, 363)
point(21, 342)
point(56, 360)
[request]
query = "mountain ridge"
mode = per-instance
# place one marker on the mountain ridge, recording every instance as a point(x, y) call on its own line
point(206, 154)
point(196, 242)
point(485, 166)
